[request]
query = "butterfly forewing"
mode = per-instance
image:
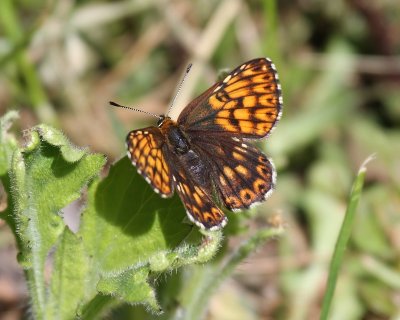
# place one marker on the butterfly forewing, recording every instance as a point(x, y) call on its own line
point(247, 103)
point(147, 151)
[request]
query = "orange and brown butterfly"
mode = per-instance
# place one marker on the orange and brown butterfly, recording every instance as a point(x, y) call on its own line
point(204, 155)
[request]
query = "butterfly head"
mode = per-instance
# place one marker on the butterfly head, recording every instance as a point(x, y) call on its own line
point(161, 119)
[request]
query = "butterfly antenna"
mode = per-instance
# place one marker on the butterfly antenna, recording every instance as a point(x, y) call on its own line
point(179, 88)
point(134, 109)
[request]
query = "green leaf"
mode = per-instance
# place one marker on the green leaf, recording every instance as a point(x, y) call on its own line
point(7, 142)
point(128, 235)
point(132, 235)
point(7, 146)
point(132, 286)
point(43, 181)
point(57, 138)
point(70, 269)
point(125, 223)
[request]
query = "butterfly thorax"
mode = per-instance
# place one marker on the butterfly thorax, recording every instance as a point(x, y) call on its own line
point(176, 139)
point(186, 156)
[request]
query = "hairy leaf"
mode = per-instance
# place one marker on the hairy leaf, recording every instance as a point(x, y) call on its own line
point(43, 181)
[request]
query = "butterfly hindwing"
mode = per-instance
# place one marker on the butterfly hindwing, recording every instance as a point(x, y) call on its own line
point(247, 103)
point(198, 203)
point(147, 151)
point(242, 175)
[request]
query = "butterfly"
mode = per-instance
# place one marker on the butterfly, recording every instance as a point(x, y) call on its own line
point(205, 156)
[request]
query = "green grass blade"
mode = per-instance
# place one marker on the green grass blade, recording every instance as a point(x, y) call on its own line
point(343, 239)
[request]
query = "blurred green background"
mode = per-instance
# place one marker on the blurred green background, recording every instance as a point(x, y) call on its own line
point(339, 65)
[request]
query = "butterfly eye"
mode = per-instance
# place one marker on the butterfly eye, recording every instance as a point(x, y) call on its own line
point(161, 120)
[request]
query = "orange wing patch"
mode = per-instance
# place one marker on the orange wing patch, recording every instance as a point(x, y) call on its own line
point(248, 101)
point(146, 153)
point(248, 178)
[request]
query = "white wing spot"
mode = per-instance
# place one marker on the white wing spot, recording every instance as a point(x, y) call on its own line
point(227, 79)
point(217, 88)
